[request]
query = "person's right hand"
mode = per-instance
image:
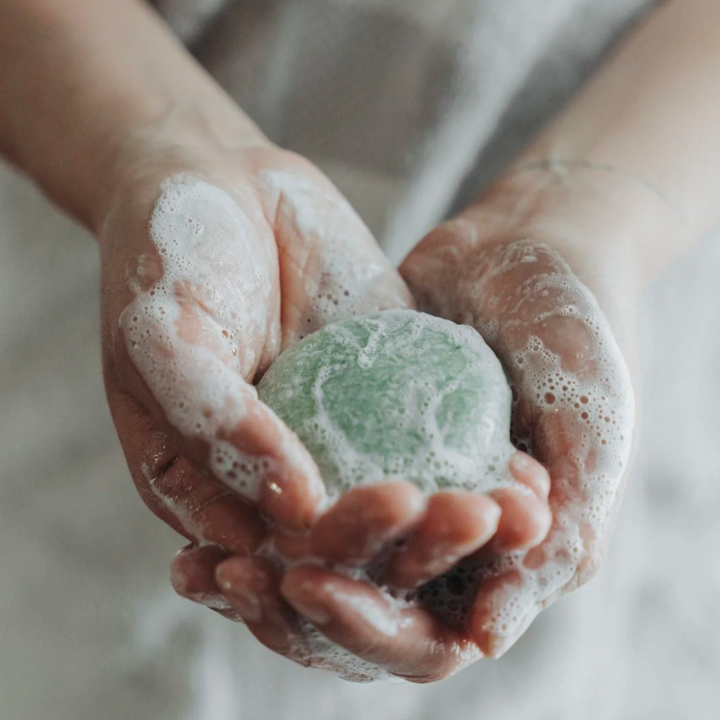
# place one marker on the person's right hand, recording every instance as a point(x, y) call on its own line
point(206, 276)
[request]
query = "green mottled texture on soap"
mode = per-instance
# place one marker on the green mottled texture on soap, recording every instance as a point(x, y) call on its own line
point(397, 394)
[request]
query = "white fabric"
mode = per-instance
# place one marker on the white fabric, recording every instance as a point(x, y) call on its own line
point(89, 626)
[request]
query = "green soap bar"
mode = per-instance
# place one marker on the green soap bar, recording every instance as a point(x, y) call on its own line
point(396, 395)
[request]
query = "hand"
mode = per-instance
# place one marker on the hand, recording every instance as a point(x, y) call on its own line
point(497, 268)
point(206, 277)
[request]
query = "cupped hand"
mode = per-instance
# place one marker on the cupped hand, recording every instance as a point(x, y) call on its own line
point(212, 262)
point(497, 268)
point(341, 597)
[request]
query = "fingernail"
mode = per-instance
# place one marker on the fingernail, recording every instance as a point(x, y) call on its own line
point(214, 602)
point(244, 601)
point(520, 461)
point(308, 606)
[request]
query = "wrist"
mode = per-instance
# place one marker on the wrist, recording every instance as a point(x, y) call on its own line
point(605, 222)
point(188, 137)
point(181, 137)
point(89, 90)
point(595, 226)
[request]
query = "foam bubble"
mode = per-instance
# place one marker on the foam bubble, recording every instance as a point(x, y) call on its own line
point(200, 302)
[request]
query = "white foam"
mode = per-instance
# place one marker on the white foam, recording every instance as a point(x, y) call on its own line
point(344, 272)
point(322, 653)
point(499, 293)
point(200, 309)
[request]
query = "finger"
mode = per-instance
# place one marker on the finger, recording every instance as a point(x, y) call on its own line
point(198, 507)
point(408, 642)
point(531, 473)
point(331, 267)
point(269, 464)
point(251, 587)
point(192, 575)
point(208, 510)
point(524, 521)
point(364, 520)
point(455, 525)
point(192, 386)
point(502, 611)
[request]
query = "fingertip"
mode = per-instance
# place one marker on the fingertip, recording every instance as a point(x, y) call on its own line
point(243, 582)
point(298, 579)
point(251, 585)
point(305, 594)
point(293, 494)
point(488, 628)
point(538, 526)
point(365, 519)
point(293, 504)
point(455, 524)
point(285, 481)
point(236, 571)
point(530, 472)
point(192, 575)
point(488, 643)
point(494, 644)
point(192, 566)
point(524, 523)
point(477, 519)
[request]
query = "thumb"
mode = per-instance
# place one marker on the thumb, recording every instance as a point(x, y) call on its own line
point(330, 264)
point(201, 307)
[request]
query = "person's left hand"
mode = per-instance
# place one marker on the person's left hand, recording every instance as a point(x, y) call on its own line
point(504, 267)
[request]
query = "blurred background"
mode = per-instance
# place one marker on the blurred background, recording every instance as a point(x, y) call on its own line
point(88, 623)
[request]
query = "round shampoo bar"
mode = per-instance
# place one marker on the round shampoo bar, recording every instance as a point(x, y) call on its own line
point(396, 395)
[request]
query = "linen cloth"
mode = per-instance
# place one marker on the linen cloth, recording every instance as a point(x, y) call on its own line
point(411, 106)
